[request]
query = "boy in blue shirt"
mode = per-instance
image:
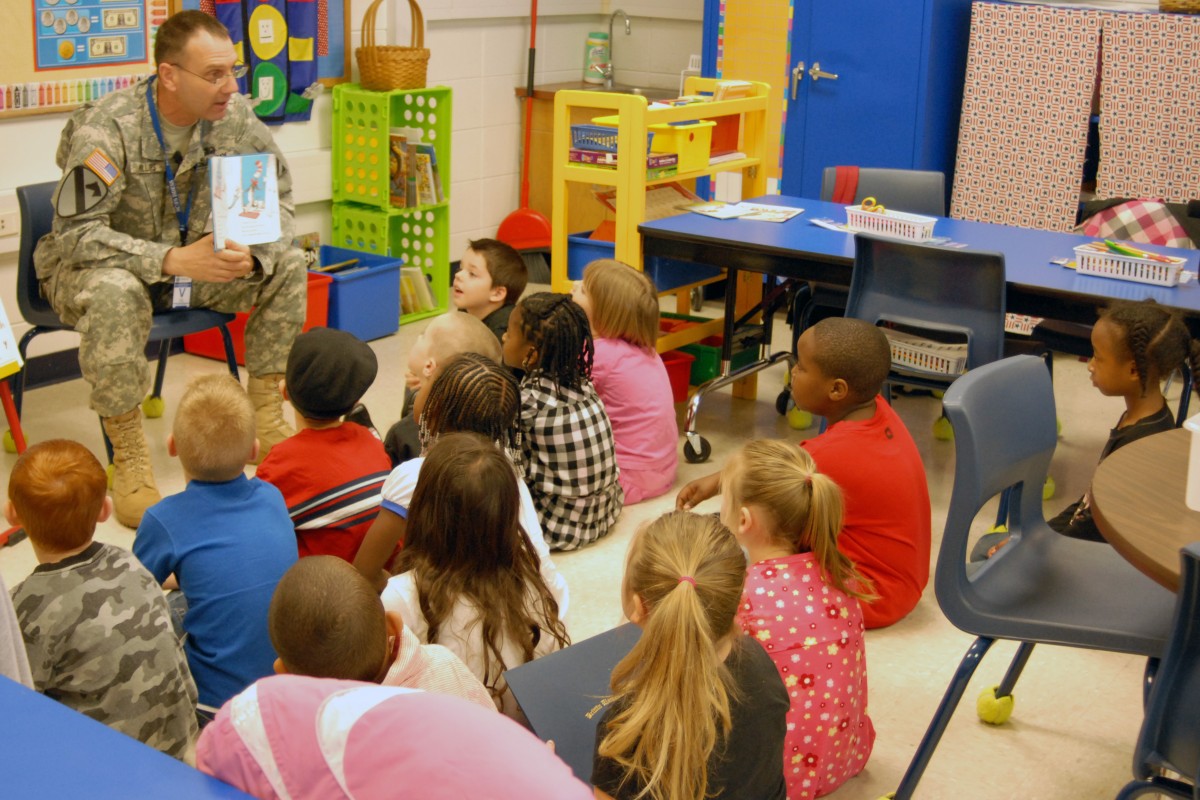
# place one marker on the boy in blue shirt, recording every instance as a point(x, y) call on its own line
point(224, 541)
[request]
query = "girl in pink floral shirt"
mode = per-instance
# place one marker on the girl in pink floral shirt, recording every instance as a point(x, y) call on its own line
point(801, 603)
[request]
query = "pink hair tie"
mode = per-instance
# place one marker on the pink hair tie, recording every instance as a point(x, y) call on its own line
point(689, 579)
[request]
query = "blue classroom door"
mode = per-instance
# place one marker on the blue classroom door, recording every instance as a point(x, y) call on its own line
point(868, 116)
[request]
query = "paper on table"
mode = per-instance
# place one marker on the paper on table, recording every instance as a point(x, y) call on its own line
point(758, 212)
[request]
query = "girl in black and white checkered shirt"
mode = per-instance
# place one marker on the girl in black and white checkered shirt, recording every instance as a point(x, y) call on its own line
point(568, 452)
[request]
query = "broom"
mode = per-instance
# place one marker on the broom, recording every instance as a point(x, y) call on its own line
point(527, 231)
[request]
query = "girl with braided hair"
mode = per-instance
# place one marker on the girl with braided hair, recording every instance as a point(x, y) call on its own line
point(469, 392)
point(567, 441)
point(698, 709)
point(1135, 347)
point(468, 577)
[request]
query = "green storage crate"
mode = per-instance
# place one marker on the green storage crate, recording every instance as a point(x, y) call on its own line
point(707, 352)
point(362, 121)
point(420, 235)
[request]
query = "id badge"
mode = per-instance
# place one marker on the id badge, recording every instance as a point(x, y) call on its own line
point(181, 294)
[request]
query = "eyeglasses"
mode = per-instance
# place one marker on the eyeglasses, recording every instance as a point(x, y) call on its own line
point(238, 71)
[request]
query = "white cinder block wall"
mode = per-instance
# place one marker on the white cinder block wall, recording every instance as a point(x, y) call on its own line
point(479, 49)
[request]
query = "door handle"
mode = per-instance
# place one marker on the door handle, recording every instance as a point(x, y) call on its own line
point(816, 73)
point(797, 76)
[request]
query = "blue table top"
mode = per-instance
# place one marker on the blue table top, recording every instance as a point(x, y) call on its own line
point(1027, 252)
point(51, 751)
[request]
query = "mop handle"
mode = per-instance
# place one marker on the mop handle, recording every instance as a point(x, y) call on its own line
point(528, 105)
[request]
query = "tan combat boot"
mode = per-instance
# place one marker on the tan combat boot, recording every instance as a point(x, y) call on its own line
point(133, 485)
point(268, 413)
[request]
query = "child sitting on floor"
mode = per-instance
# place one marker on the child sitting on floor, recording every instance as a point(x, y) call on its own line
point(841, 365)
point(330, 472)
point(445, 337)
point(469, 393)
point(468, 578)
point(568, 453)
point(697, 708)
point(622, 308)
point(801, 603)
point(225, 540)
point(326, 621)
point(490, 279)
point(292, 736)
point(95, 623)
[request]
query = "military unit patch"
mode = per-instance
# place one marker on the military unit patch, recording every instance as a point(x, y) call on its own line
point(81, 189)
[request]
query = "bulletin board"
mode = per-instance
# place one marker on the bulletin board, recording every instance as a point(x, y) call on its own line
point(80, 50)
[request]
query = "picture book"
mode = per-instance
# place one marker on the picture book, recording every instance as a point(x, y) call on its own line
point(415, 294)
point(717, 209)
point(429, 179)
point(10, 357)
point(398, 169)
point(245, 199)
point(410, 174)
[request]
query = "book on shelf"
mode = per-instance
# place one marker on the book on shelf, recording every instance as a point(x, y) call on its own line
point(653, 160)
point(245, 199)
point(728, 155)
point(732, 90)
point(429, 179)
point(415, 294)
point(410, 175)
point(398, 168)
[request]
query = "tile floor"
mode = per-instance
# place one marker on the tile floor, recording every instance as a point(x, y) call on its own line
point(1077, 713)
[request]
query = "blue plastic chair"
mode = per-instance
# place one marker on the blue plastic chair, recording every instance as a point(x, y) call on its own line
point(1170, 736)
point(1042, 587)
point(37, 218)
point(934, 289)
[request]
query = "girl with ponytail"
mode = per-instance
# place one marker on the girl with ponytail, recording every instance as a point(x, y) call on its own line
point(697, 709)
point(801, 603)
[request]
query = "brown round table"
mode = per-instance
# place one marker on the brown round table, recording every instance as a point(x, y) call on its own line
point(1138, 504)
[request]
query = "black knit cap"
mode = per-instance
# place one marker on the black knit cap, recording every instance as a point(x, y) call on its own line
point(328, 371)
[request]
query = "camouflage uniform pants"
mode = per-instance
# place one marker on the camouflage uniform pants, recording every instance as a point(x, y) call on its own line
point(111, 309)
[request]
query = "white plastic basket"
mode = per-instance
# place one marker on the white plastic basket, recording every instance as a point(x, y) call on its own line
point(897, 224)
point(925, 355)
point(1108, 264)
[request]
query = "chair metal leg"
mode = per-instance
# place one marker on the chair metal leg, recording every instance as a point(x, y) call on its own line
point(1148, 679)
point(945, 710)
point(160, 371)
point(18, 380)
point(1014, 669)
point(230, 355)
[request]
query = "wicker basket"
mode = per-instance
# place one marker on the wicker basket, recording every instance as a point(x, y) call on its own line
point(1179, 6)
point(386, 67)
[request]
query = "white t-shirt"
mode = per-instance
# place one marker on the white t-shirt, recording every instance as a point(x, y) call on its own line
point(397, 495)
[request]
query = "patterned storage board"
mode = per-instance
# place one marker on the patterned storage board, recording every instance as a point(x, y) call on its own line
point(1150, 107)
point(1026, 104)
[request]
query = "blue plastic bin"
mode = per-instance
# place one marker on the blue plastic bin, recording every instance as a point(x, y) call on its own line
point(667, 273)
point(365, 299)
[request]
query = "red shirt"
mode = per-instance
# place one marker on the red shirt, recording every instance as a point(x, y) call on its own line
point(887, 527)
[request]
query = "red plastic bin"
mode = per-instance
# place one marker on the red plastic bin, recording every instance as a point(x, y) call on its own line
point(679, 369)
point(208, 343)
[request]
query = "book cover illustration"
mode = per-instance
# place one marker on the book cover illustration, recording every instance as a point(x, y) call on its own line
point(429, 182)
point(245, 199)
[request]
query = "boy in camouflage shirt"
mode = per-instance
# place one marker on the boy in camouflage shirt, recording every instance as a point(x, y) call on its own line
point(95, 622)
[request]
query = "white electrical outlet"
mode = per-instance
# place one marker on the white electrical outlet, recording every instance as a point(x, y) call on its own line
point(9, 223)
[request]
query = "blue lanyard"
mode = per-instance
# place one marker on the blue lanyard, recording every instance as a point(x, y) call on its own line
point(181, 213)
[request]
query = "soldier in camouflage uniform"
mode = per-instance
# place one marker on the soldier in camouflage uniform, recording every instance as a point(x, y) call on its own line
point(116, 247)
point(94, 621)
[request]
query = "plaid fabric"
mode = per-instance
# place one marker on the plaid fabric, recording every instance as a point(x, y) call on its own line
point(570, 462)
point(1144, 221)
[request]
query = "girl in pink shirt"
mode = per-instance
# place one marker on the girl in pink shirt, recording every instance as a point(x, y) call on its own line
point(801, 603)
point(622, 308)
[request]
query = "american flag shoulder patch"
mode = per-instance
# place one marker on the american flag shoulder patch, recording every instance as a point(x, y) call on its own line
point(105, 170)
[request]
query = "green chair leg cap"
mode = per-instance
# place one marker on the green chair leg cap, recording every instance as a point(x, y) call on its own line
point(994, 710)
point(798, 419)
point(153, 407)
point(943, 430)
point(1048, 488)
point(10, 446)
point(109, 471)
point(998, 529)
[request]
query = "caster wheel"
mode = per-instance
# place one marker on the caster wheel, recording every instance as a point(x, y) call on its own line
point(1048, 488)
point(153, 407)
point(943, 430)
point(10, 446)
point(783, 402)
point(109, 471)
point(799, 419)
point(692, 456)
point(994, 710)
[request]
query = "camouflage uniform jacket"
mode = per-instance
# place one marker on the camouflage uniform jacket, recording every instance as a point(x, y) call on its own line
point(99, 639)
point(131, 224)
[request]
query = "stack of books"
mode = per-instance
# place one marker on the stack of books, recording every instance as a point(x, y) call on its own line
point(414, 178)
point(415, 294)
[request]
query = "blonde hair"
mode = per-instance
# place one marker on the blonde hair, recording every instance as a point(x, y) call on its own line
point(805, 507)
point(688, 571)
point(214, 428)
point(624, 303)
point(458, 332)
